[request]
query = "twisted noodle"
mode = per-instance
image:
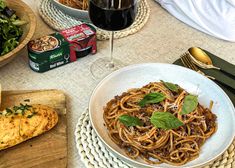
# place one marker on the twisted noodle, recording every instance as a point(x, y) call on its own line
point(79, 4)
point(154, 145)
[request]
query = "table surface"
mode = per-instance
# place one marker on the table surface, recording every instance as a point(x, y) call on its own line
point(163, 39)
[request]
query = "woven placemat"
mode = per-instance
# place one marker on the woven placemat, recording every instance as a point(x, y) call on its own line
point(95, 155)
point(58, 20)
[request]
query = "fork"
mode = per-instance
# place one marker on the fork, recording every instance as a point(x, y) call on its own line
point(186, 60)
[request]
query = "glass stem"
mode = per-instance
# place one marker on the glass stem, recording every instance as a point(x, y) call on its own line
point(111, 38)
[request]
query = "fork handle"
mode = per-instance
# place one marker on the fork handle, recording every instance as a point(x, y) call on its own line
point(210, 77)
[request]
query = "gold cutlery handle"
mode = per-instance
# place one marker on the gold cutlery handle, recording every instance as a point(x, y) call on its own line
point(202, 73)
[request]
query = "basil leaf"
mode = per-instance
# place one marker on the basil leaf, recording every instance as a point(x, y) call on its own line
point(152, 98)
point(165, 120)
point(130, 121)
point(190, 103)
point(171, 86)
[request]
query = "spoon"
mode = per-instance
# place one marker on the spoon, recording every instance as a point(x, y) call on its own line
point(201, 59)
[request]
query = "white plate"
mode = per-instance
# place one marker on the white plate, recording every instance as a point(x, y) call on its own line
point(136, 76)
point(77, 13)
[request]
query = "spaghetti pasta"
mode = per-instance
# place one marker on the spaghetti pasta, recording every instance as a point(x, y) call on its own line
point(156, 145)
point(79, 4)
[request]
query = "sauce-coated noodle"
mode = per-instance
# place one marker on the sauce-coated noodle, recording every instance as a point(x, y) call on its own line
point(79, 4)
point(154, 145)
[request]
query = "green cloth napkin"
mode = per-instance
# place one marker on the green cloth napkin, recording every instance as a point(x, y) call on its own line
point(218, 74)
point(228, 67)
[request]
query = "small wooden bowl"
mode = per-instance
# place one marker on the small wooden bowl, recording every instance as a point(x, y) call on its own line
point(25, 13)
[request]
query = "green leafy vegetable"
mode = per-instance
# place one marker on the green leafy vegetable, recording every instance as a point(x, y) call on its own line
point(27, 100)
point(189, 105)
point(165, 120)
point(21, 109)
point(152, 98)
point(130, 121)
point(19, 22)
point(9, 45)
point(171, 86)
point(9, 111)
point(2, 5)
point(10, 30)
point(31, 115)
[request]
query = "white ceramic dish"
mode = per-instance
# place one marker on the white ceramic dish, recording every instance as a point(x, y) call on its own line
point(139, 75)
point(77, 13)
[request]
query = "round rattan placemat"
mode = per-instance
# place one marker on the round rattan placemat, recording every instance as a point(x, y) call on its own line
point(59, 20)
point(95, 155)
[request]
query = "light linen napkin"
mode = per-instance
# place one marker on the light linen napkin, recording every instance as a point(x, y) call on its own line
point(214, 17)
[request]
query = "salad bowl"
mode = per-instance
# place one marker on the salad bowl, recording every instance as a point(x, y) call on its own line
point(24, 12)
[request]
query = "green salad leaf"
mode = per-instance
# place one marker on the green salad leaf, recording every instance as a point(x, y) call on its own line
point(19, 22)
point(2, 5)
point(130, 120)
point(9, 45)
point(165, 120)
point(152, 98)
point(10, 30)
point(189, 105)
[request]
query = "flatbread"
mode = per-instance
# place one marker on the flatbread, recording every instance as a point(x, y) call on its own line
point(0, 94)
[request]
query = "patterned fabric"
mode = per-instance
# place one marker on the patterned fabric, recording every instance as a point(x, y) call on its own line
point(214, 17)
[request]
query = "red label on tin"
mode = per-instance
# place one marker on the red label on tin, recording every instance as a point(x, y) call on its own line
point(77, 33)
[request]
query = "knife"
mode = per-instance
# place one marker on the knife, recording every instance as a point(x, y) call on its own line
point(221, 78)
point(225, 67)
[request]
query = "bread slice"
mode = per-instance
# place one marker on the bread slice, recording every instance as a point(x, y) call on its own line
point(0, 94)
point(20, 123)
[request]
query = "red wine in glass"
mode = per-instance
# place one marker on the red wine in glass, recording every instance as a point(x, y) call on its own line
point(114, 17)
point(111, 15)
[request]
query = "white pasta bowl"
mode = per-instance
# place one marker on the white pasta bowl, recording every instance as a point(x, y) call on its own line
point(136, 76)
point(77, 13)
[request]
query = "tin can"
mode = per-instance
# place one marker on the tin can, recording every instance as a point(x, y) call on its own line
point(61, 48)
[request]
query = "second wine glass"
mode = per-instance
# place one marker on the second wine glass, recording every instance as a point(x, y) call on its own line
point(110, 15)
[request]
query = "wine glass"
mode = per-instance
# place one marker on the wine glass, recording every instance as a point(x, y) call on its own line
point(110, 15)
